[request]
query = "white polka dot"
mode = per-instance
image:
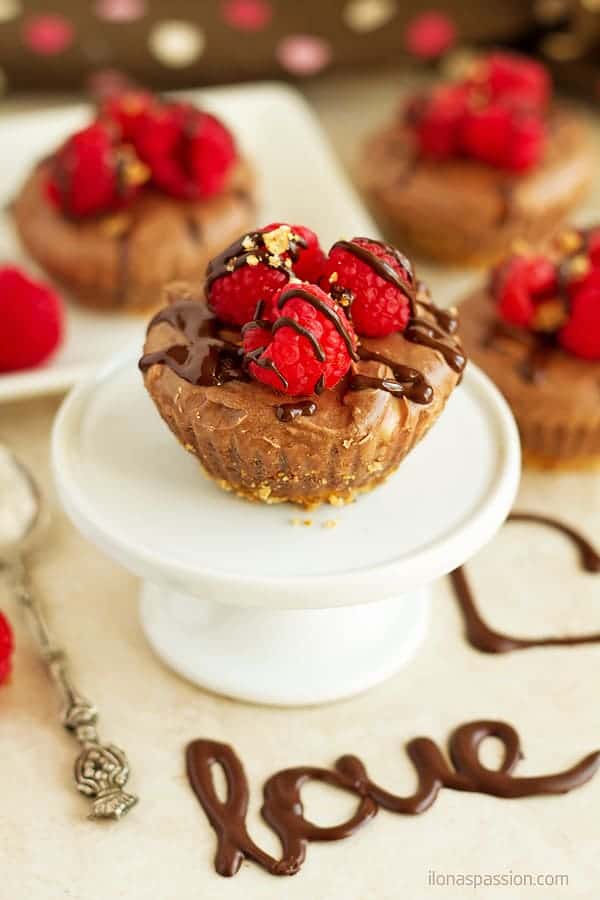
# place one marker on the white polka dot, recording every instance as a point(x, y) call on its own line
point(9, 9)
point(176, 43)
point(368, 15)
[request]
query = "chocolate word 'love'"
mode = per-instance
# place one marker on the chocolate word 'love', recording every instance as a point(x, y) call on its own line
point(484, 638)
point(283, 810)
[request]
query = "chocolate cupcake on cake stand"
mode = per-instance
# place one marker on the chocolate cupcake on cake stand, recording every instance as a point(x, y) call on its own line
point(315, 395)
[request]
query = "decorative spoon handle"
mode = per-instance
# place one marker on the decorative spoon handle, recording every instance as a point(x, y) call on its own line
point(101, 770)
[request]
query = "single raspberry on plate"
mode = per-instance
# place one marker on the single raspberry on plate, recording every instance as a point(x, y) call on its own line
point(31, 317)
point(375, 281)
point(515, 80)
point(308, 259)
point(189, 152)
point(7, 646)
point(126, 110)
point(521, 285)
point(310, 345)
point(437, 120)
point(91, 174)
point(581, 334)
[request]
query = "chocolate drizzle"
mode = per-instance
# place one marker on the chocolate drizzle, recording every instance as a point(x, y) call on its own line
point(206, 359)
point(539, 348)
point(287, 412)
point(240, 254)
point(484, 638)
point(283, 809)
point(327, 311)
point(383, 268)
point(407, 382)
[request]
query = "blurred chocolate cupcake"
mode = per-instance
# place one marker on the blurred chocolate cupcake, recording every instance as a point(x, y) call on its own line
point(535, 330)
point(470, 166)
point(147, 193)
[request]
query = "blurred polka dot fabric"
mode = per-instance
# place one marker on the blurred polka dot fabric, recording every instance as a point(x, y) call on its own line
point(160, 44)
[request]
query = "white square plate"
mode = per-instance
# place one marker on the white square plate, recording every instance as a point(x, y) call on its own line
point(299, 181)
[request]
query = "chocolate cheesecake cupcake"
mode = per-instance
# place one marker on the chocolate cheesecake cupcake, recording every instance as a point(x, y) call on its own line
point(147, 193)
point(535, 330)
point(294, 405)
point(471, 166)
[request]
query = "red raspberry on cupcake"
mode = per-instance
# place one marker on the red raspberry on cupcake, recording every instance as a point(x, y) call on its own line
point(375, 281)
point(32, 321)
point(255, 268)
point(496, 115)
point(558, 297)
point(92, 174)
point(7, 646)
point(128, 111)
point(189, 152)
point(309, 347)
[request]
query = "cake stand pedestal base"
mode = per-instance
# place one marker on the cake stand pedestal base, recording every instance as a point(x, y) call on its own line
point(283, 657)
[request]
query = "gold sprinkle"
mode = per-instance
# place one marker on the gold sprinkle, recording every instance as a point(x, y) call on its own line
point(329, 523)
point(520, 247)
point(277, 241)
point(264, 492)
point(549, 316)
point(248, 243)
point(307, 522)
point(569, 241)
point(333, 278)
point(252, 260)
point(115, 226)
point(579, 265)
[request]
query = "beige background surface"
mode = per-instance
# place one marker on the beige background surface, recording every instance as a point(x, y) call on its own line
point(528, 583)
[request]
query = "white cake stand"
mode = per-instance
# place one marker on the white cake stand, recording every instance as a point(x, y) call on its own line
point(240, 600)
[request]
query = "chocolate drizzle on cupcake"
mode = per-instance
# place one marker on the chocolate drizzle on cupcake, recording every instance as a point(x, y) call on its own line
point(207, 359)
point(283, 809)
point(478, 632)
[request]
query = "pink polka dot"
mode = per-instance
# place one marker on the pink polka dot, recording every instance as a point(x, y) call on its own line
point(429, 35)
point(120, 10)
point(247, 15)
point(303, 54)
point(48, 34)
point(104, 83)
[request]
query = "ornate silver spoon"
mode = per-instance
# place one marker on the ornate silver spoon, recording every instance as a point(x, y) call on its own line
point(101, 770)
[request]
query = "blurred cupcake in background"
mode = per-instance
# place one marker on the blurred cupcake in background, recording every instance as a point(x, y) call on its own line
point(535, 330)
point(469, 166)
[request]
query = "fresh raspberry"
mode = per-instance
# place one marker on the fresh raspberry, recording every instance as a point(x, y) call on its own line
point(308, 262)
point(90, 174)
point(581, 334)
point(259, 265)
point(234, 296)
point(527, 142)
point(7, 646)
point(486, 134)
point(521, 284)
point(309, 356)
point(438, 121)
point(378, 306)
point(190, 153)
point(515, 80)
point(593, 246)
point(31, 317)
point(127, 111)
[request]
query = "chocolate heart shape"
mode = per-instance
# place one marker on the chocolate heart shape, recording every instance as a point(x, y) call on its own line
point(478, 632)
